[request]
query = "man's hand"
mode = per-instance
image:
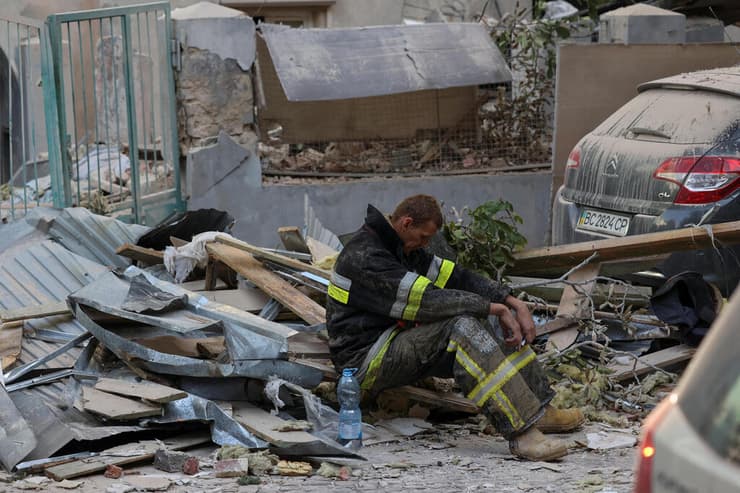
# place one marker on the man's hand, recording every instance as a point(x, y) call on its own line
point(512, 329)
point(523, 317)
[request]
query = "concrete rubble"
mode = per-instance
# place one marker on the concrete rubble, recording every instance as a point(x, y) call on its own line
point(130, 353)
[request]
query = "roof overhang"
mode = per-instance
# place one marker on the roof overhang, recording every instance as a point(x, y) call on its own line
point(331, 64)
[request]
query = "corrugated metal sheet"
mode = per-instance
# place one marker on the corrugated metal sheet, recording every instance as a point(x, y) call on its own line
point(329, 64)
point(44, 273)
point(95, 237)
point(318, 231)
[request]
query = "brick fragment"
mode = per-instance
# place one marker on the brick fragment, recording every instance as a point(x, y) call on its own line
point(231, 468)
point(112, 471)
point(191, 466)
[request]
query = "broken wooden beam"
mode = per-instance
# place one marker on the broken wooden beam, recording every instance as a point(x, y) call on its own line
point(35, 311)
point(574, 303)
point(246, 265)
point(10, 346)
point(264, 425)
point(273, 257)
point(556, 260)
point(114, 407)
point(148, 391)
point(145, 451)
point(147, 256)
point(446, 400)
point(293, 239)
point(647, 363)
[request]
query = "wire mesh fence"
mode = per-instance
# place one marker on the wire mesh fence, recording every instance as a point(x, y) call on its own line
point(466, 130)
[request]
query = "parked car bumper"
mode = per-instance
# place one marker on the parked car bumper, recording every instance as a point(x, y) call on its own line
point(720, 266)
point(684, 462)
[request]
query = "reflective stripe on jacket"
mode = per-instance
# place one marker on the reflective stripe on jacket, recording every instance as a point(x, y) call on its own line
point(374, 285)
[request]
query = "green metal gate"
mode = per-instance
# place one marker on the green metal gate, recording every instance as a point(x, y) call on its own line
point(24, 170)
point(109, 94)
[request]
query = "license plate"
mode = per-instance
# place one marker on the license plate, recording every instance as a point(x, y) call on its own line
point(603, 222)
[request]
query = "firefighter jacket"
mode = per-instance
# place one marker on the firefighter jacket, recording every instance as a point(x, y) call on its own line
point(374, 286)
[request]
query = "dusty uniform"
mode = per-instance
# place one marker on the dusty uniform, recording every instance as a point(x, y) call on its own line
point(399, 318)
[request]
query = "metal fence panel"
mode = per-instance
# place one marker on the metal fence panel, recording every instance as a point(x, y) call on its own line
point(111, 74)
point(24, 181)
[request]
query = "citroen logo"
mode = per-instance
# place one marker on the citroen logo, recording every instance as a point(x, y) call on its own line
point(611, 167)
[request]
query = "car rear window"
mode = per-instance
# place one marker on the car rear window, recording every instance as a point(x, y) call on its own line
point(710, 392)
point(674, 115)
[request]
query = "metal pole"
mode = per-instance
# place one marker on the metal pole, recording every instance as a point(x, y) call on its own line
point(131, 115)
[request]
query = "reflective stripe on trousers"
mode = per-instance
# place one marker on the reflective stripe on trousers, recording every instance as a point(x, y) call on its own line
point(489, 385)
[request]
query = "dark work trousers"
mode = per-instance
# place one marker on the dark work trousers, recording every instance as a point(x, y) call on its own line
point(506, 383)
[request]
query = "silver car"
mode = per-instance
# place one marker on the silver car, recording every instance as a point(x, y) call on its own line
point(691, 441)
point(668, 158)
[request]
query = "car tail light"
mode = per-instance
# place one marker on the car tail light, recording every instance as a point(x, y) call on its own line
point(702, 179)
point(574, 158)
point(646, 452)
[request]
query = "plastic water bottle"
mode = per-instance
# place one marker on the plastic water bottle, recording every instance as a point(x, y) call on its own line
point(350, 416)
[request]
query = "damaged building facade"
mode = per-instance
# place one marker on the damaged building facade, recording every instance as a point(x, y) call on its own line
point(128, 339)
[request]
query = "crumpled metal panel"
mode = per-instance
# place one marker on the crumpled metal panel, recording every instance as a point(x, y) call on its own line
point(95, 237)
point(329, 64)
point(16, 437)
point(33, 273)
point(224, 429)
point(172, 364)
point(201, 305)
point(251, 354)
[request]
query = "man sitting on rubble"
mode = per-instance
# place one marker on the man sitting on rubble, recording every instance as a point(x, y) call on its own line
point(400, 314)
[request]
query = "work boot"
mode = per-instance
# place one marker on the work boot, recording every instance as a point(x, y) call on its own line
point(560, 420)
point(533, 445)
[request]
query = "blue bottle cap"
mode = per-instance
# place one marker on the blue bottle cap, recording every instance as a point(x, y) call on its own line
point(348, 372)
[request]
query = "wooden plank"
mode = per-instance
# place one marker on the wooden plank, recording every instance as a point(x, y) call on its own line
point(10, 345)
point(263, 424)
point(273, 257)
point(447, 400)
point(661, 359)
point(553, 291)
point(35, 311)
point(144, 451)
point(148, 256)
point(149, 391)
point(556, 260)
point(574, 304)
point(210, 282)
point(247, 299)
point(115, 407)
point(319, 251)
point(555, 325)
point(293, 239)
point(246, 265)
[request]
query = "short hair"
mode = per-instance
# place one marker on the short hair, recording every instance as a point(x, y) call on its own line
point(421, 208)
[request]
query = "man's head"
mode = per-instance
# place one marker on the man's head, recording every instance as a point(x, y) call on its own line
point(416, 219)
